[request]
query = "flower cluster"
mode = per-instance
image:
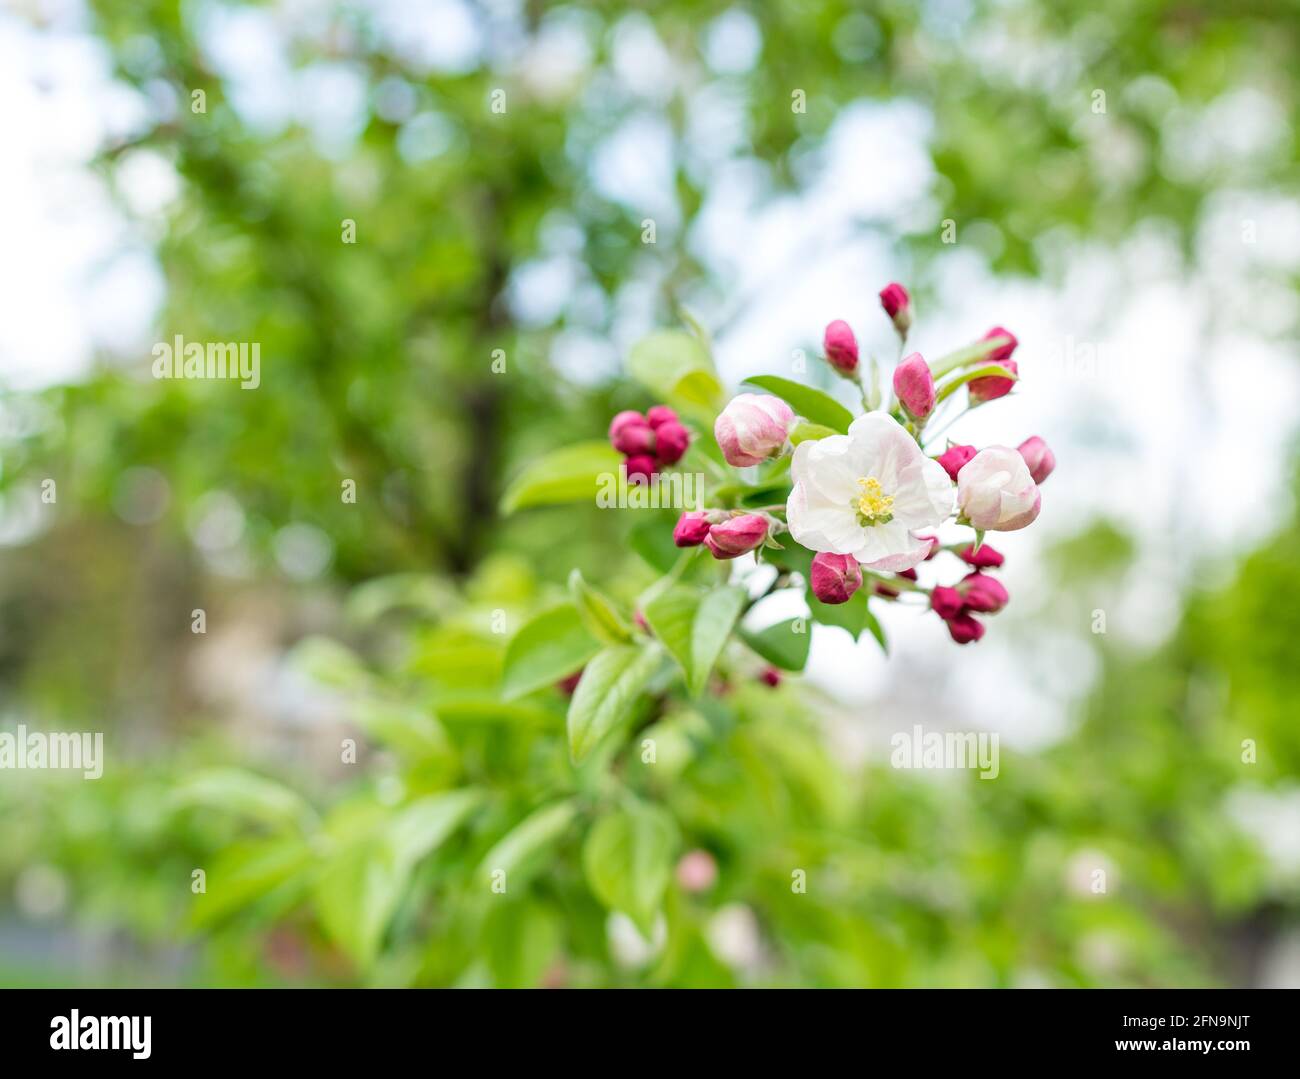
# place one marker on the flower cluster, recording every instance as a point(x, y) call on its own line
point(648, 442)
point(868, 497)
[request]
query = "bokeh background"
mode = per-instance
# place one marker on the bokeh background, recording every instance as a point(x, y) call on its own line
point(1122, 181)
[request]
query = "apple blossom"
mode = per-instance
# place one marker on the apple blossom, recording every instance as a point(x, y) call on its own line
point(964, 628)
point(752, 428)
point(660, 414)
point(841, 347)
point(835, 577)
point(670, 441)
point(691, 529)
point(1038, 456)
point(867, 493)
point(914, 385)
point(640, 468)
point(736, 535)
point(983, 593)
point(991, 387)
point(633, 437)
point(954, 458)
point(898, 306)
point(995, 491)
point(1002, 352)
point(985, 558)
point(946, 602)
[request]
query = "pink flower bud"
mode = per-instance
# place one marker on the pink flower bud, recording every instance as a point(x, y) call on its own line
point(946, 602)
point(660, 414)
point(624, 418)
point(995, 491)
point(567, 686)
point(671, 440)
point(914, 385)
point(752, 428)
point(841, 347)
point(1039, 457)
point(835, 577)
point(771, 677)
point(1002, 352)
point(983, 593)
point(898, 306)
point(985, 558)
point(955, 459)
point(640, 468)
point(991, 387)
point(964, 629)
point(691, 529)
point(736, 535)
point(629, 433)
point(697, 871)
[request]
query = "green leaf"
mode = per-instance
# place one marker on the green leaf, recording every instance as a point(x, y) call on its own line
point(628, 860)
point(521, 852)
point(546, 649)
point(877, 630)
point(676, 368)
point(363, 882)
point(783, 645)
point(571, 474)
point(971, 353)
point(610, 685)
point(232, 790)
point(694, 628)
point(809, 432)
point(992, 370)
point(520, 942)
point(811, 404)
point(411, 731)
point(245, 873)
point(851, 615)
point(598, 612)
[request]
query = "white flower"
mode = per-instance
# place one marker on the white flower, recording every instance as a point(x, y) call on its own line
point(867, 493)
point(996, 492)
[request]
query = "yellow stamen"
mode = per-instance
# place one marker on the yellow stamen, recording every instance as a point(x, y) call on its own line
point(874, 506)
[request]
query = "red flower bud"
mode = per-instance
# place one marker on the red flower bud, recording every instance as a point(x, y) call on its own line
point(568, 685)
point(946, 602)
point(983, 593)
point(771, 677)
point(1039, 457)
point(660, 414)
point(632, 436)
point(841, 347)
point(623, 419)
point(835, 577)
point(671, 440)
point(640, 468)
point(736, 535)
point(955, 458)
point(985, 558)
point(964, 629)
point(914, 385)
point(691, 529)
point(898, 306)
point(991, 387)
point(1002, 352)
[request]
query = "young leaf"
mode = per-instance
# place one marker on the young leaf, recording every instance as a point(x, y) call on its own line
point(571, 474)
point(522, 850)
point(676, 367)
point(627, 858)
point(990, 371)
point(546, 649)
point(694, 628)
point(246, 794)
point(812, 405)
point(783, 645)
point(610, 684)
point(598, 612)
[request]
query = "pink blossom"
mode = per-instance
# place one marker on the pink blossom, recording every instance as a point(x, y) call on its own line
point(995, 491)
point(1039, 457)
point(914, 385)
point(841, 347)
point(692, 528)
point(954, 458)
point(671, 440)
point(736, 535)
point(835, 577)
point(752, 428)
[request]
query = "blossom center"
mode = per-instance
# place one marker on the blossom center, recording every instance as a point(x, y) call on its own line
point(874, 506)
